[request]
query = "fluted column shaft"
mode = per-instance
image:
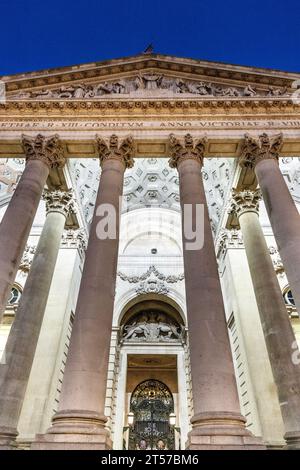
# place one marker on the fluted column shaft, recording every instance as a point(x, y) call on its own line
point(24, 334)
point(216, 405)
point(262, 154)
point(80, 420)
point(41, 154)
point(278, 332)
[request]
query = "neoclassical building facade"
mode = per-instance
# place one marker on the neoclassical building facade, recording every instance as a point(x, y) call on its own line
point(150, 256)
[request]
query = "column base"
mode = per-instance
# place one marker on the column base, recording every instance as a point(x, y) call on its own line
point(292, 440)
point(8, 438)
point(73, 430)
point(221, 431)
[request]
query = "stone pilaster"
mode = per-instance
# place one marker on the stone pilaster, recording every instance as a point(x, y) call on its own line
point(278, 332)
point(217, 422)
point(262, 154)
point(41, 153)
point(24, 334)
point(80, 420)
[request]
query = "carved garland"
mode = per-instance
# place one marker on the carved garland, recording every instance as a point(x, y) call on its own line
point(171, 279)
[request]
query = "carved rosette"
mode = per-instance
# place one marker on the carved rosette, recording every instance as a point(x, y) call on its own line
point(264, 147)
point(180, 151)
point(245, 201)
point(112, 149)
point(49, 150)
point(58, 201)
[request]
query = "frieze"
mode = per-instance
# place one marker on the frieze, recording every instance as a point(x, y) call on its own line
point(139, 124)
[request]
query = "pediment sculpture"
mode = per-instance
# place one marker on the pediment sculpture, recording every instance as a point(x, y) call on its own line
point(147, 85)
point(150, 327)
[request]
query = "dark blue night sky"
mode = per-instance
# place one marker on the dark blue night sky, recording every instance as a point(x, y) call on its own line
point(44, 34)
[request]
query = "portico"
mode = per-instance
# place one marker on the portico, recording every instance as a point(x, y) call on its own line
point(156, 107)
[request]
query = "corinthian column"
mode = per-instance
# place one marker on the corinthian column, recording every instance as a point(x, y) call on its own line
point(261, 154)
point(279, 336)
point(80, 421)
point(24, 334)
point(217, 422)
point(42, 153)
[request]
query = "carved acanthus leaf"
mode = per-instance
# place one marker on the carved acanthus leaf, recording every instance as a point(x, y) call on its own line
point(58, 201)
point(46, 149)
point(112, 149)
point(245, 201)
point(180, 150)
point(257, 149)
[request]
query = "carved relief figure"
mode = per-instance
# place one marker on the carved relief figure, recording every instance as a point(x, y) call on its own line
point(136, 331)
point(152, 326)
point(150, 82)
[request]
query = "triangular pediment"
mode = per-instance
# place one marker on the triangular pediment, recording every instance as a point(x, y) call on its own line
point(150, 76)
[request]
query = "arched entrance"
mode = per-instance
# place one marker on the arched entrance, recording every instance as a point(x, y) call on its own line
point(152, 376)
point(151, 404)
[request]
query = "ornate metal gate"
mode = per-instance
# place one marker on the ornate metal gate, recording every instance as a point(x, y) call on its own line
point(151, 403)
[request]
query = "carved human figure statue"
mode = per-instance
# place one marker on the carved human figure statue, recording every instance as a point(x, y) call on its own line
point(149, 81)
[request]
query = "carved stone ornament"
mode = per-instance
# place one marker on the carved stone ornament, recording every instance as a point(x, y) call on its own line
point(228, 239)
point(112, 149)
point(276, 259)
point(46, 149)
point(152, 326)
point(74, 239)
point(187, 149)
point(245, 201)
point(58, 201)
point(171, 279)
point(264, 147)
point(152, 286)
point(149, 84)
point(27, 258)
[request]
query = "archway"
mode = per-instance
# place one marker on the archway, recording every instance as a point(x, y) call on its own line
point(151, 404)
point(151, 343)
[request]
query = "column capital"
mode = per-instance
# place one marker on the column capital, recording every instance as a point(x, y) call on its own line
point(58, 201)
point(245, 200)
point(263, 147)
point(111, 149)
point(187, 148)
point(46, 149)
point(228, 239)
